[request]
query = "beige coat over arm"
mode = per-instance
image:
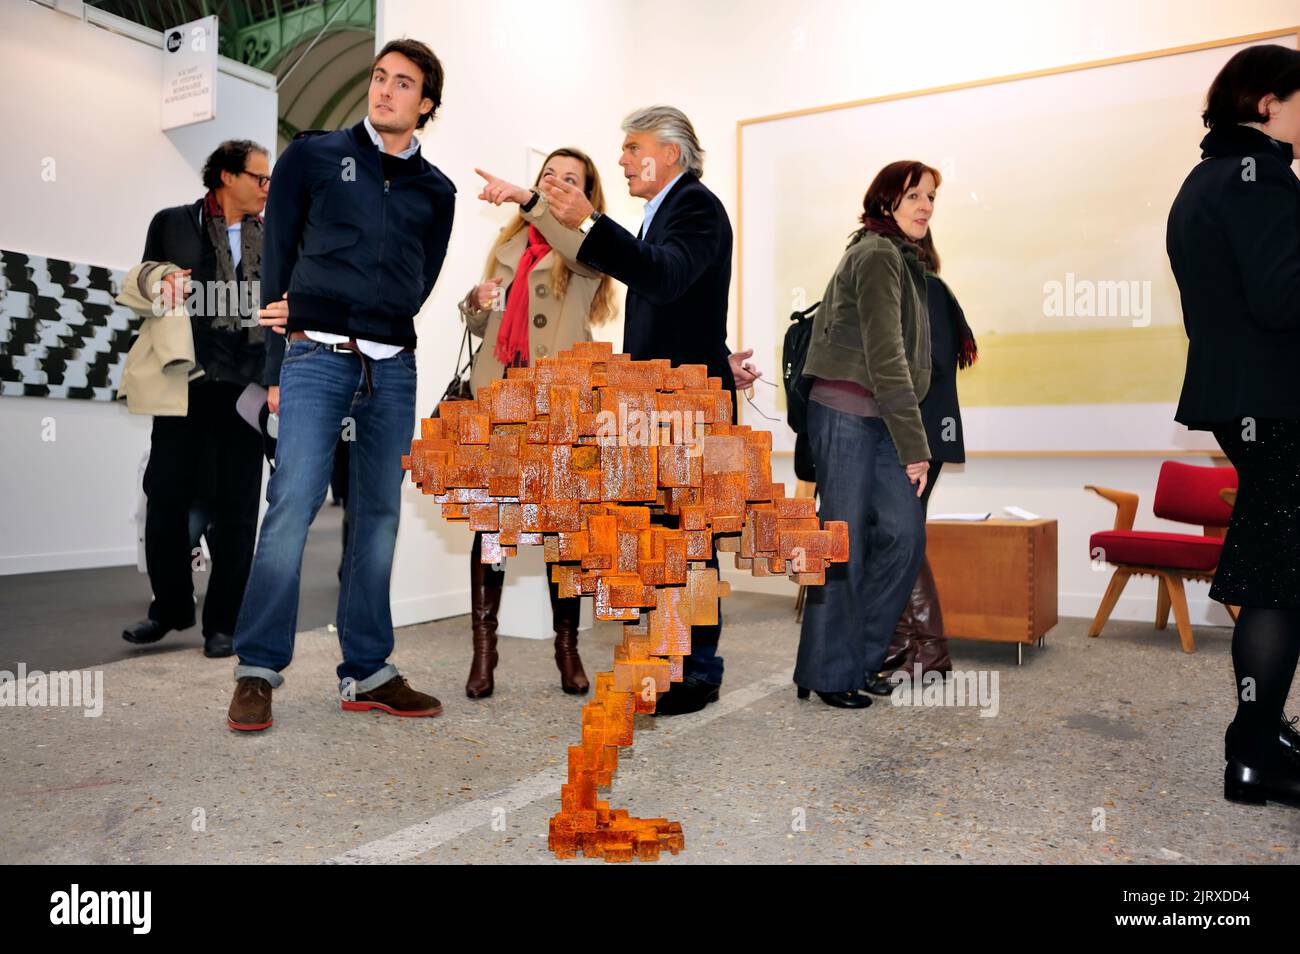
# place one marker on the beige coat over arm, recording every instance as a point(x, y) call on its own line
point(160, 364)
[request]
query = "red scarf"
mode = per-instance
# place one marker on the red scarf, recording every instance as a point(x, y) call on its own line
point(512, 340)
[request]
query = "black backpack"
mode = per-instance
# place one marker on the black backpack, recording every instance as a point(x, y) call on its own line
point(794, 353)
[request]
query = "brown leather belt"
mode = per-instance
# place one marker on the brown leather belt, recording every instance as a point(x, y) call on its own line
point(349, 345)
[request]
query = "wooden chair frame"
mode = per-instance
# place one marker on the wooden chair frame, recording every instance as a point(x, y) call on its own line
point(1170, 594)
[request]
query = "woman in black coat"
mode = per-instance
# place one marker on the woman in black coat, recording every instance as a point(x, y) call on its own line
point(1234, 244)
point(918, 634)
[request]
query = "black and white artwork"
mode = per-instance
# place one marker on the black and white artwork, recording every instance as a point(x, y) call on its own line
point(61, 333)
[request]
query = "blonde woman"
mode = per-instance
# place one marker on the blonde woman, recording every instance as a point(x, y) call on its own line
point(534, 301)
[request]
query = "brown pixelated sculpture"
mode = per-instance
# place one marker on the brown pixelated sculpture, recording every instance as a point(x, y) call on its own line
point(624, 472)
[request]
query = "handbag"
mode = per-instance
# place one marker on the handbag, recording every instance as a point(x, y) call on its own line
point(458, 388)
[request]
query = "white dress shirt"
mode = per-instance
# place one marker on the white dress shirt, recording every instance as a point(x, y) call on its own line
point(652, 206)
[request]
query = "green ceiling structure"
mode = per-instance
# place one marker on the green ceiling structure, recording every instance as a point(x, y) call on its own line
point(319, 50)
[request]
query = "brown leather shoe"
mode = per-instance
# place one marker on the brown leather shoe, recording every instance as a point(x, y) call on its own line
point(485, 600)
point(250, 709)
point(396, 697)
point(565, 614)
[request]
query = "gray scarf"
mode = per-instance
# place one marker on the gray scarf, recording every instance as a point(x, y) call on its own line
point(250, 241)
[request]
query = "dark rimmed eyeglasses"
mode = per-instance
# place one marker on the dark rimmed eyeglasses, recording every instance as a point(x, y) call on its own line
point(261, 180)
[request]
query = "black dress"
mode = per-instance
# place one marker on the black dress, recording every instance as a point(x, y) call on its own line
point(1260, 564)
point(1234, 245)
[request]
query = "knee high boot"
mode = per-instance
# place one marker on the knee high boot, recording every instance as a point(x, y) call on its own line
point(564, 614)
point(931, 646)
point(902, 647)
point(485, 599)
point(918, 635)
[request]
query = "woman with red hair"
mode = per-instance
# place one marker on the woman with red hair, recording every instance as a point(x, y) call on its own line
point(868, 367)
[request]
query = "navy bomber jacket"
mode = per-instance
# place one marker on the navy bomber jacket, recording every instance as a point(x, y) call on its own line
point(355, 237)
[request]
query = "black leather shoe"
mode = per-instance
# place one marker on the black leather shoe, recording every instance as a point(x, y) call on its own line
point(1288, 739)
point(218, 645)
point(149, 631)
point(686, 697)
point(878, 686)
point(1251, 786)
point(840, 700)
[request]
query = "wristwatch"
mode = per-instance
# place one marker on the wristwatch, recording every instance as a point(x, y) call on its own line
point(585, 225)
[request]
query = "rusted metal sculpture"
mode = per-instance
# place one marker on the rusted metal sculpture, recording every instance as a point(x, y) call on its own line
point(624, 472)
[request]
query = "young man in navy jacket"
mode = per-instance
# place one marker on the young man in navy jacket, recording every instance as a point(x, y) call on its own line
point(357, 224)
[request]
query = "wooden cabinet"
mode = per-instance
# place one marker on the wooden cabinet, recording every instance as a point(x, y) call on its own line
point(996, 578)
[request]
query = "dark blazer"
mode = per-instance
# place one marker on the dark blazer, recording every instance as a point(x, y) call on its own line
point(940, 402)
point(677, 279)
point(177, 235)
point(1234, 244)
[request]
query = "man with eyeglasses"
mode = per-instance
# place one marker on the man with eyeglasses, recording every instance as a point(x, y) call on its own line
point(210, 459)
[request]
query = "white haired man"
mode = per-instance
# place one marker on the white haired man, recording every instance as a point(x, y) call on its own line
point(677, 272)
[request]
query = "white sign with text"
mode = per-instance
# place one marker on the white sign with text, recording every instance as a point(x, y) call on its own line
point(189, 73)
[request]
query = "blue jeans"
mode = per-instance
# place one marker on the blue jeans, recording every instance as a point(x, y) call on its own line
point(323, 393)
point(848, 623)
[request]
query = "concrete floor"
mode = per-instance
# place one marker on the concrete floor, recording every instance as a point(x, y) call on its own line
point(73, 619)
point(1127, 724)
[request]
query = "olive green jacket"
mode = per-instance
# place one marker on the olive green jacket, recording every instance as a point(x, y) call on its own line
point(872, 329)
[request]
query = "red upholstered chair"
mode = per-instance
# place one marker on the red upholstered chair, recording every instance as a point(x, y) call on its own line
point(1184, 493)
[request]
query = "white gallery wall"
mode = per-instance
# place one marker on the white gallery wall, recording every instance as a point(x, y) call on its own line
point(519, 76)
point(88, 100)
